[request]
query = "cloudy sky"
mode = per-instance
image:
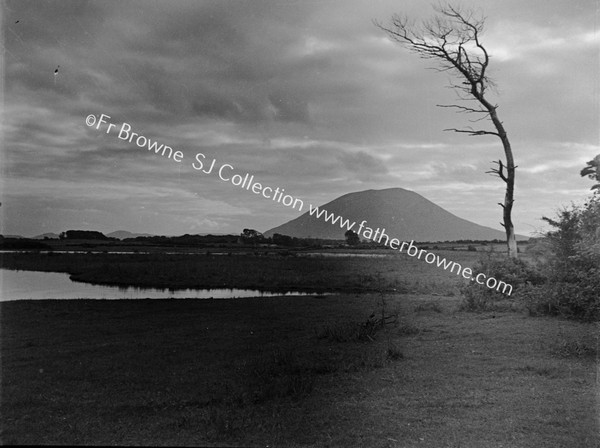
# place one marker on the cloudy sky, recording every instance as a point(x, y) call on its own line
point(308, 96)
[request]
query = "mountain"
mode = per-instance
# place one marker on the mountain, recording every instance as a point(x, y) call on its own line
point(52, 236)
point(403, 214)
point(122, 234)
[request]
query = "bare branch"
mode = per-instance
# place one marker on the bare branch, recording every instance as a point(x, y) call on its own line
point(472, 132)
point(464, 109)
point(451, 38)
point(480, 119)
point(498, 171)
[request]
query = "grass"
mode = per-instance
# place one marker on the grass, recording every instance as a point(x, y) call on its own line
point(252, 372)
point(428, 306)
point(393, 272)
point(391, 361)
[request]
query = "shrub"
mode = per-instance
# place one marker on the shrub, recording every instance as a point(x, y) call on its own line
point(572, 288)
point(513, 271)
point(577, 297)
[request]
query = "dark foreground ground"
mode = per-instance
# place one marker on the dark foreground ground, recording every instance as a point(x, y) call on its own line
point(294, 372)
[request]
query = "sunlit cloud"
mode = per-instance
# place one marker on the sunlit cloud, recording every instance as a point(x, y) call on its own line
point(307, 96)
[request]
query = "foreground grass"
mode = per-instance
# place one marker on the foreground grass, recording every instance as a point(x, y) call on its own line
point(257, 372)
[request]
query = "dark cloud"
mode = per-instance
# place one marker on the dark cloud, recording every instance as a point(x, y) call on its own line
point(308, 96)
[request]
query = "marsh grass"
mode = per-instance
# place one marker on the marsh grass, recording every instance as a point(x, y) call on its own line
point(394, 273)
point(253, 373)
point(428, 306)
point(329, 371)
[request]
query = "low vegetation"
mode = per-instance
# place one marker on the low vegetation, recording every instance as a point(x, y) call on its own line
point(264, 270)
point(565, 280)
point(518, 273)
point(390, 360)
point(254, 372)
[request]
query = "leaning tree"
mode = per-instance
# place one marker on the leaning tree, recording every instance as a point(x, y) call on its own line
point(452, 39)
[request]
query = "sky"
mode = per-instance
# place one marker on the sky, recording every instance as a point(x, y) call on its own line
point(306, 96)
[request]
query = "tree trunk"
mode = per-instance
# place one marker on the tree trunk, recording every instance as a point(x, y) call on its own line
point(511, 241)
point(508, 178)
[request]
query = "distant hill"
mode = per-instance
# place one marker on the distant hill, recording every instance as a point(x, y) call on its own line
point(122, 234)
point(50, 235)
point(403, 214)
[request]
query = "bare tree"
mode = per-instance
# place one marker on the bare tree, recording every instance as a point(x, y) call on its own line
point(452, 39)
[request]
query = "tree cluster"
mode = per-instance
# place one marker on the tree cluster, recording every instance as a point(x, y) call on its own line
point(83, 235)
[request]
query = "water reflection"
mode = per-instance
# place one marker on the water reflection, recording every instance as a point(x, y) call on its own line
point(24, 285)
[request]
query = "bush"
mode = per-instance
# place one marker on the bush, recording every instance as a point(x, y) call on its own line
point(572, 270)
point(513, 271)
point(577, 297)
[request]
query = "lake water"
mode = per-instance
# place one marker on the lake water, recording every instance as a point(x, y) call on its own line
point(25, 285)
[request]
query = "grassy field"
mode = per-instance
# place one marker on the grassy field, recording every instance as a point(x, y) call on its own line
point(290, 372)
point(274, 372)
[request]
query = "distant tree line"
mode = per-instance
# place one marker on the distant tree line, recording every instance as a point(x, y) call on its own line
point(248, 237)
point(22, 244)
point(254, 237)
point(183, 240)
point(83, 235)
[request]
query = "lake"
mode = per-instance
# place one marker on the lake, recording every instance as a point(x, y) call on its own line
point(33, 285)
